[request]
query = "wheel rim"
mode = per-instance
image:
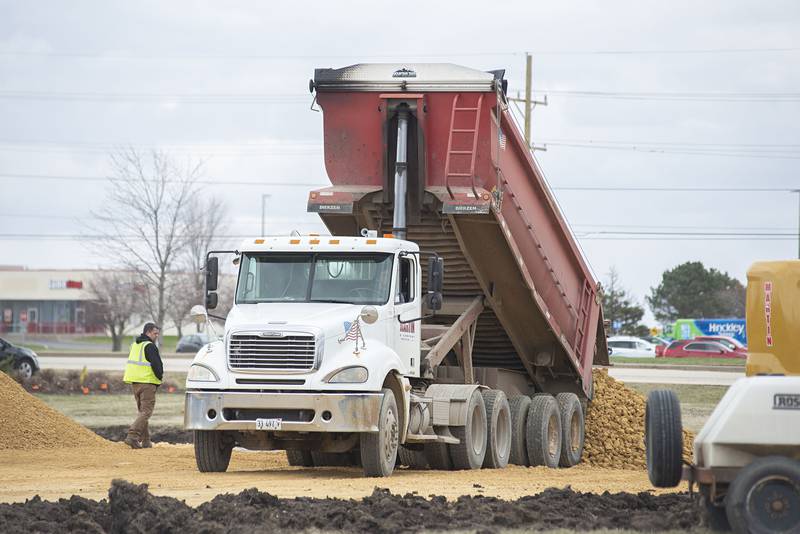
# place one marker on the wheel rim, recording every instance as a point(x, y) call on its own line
point(25, 370)
point(774, 504)
point(552, 435)
point(574, 432)
point(503, 434)
point(477, 431)
point(389, 435)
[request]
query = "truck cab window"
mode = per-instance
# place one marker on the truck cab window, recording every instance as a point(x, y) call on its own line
point(405, 281)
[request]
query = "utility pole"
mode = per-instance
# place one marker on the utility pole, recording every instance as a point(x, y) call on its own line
point(529, 102)
point(798, 221)
point(264, 198)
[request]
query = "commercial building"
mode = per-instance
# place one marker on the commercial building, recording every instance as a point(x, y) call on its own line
point(47, 301)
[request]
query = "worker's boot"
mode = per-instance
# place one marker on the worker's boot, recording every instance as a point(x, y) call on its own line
point(147, 444)
point(132, 443)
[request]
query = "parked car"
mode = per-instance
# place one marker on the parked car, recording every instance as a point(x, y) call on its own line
point(26, 362)
point(732, 343)
point(192, 342)
point(631, 347)
point(691, 348)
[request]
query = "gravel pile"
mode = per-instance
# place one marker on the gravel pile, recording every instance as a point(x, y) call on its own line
point(27, 423)
point(615, 426)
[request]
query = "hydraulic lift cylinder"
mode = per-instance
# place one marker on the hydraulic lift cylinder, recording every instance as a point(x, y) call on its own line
point(401, 177)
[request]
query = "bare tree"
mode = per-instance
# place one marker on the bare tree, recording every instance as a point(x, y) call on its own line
point(115, 295)
point(143, 220)
point(205, 221)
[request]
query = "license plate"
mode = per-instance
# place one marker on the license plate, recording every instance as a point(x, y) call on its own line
point(268, 424)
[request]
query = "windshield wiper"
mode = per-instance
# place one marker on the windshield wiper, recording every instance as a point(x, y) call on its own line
point(334, 301)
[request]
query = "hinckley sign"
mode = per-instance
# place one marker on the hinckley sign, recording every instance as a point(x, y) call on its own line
point(786, 401)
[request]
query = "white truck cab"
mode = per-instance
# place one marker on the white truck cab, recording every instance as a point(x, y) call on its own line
point(320, 325)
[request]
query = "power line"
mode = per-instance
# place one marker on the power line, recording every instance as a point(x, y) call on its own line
point(256, 183)
point(686, 151)
point(401, 56)
point(710, 96)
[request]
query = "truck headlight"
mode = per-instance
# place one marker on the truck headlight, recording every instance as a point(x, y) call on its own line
point(201, 373)
point(349, 375)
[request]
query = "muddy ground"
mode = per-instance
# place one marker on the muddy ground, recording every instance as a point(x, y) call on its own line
point(131, 508)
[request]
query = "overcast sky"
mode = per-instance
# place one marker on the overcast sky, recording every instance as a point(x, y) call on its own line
point(682, 95)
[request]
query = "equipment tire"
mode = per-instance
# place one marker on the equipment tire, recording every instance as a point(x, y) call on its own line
point(379, 449)
point(438, 456)
point(498, 415)
point(543, 431)
point(765, 497)
point(572, 429)
point(715, 517)
point(299, 458)
point(411, 458)
point(212, 451)
point(663, 438)
point(470, 451)
point(519, 407)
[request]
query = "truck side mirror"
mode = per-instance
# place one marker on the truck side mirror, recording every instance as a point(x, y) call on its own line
point(433, 299)
point(211, 300)
point(212, 273)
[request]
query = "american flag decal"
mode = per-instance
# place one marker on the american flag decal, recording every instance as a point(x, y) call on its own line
point(353, 333)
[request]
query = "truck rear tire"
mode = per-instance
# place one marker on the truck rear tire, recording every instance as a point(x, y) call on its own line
point(543, 431)
point(519, 407)
point(411, 458)
point(299, 458)
point(765, 497)
point(663, 438)
point(212, 451)
point(379, 449)
point(438, 456)
point(470, 451)
point(572, 429)
point(498, 414)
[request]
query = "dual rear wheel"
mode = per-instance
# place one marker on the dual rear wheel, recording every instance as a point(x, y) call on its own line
point(547, 430)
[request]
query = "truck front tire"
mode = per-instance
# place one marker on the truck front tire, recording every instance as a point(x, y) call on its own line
point(379, 449)
point(543, 431)
point(765, 497)
point(212, 451)
point(663, 438)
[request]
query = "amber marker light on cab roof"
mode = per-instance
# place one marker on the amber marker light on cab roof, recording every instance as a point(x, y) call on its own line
point(372, 241)
point(333, 242)
point(314, 241)
point(388, 236)
point(259, 241)
point(294, 241)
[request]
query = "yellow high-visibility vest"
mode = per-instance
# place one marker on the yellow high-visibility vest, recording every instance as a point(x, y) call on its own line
point(138, 369)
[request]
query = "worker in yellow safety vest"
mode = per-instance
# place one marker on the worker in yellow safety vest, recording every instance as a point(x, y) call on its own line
point(143, 371)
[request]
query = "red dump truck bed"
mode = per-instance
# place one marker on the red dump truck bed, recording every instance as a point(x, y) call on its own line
point(477, 198)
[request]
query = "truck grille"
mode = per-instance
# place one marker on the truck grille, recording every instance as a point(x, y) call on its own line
point(294, 352)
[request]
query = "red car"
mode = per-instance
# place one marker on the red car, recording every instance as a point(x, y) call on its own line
point(727, 341)
point(692, 348)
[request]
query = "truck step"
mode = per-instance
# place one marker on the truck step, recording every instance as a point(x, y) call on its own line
point(431, 438)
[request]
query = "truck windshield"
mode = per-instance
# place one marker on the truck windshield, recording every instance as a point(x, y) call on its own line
point(314, 277)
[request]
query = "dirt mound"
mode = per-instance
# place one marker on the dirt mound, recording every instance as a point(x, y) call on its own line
point(157, 434)
point(28, 423)
point(615, 426)
point(132, 508)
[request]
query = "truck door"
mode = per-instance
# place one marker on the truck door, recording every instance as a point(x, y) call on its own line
point(407, 305)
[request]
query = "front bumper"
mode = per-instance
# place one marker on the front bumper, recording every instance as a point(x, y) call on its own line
point(299, 412)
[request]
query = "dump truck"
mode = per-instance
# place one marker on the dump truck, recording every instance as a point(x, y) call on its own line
point(747, 455)
point(448, 321)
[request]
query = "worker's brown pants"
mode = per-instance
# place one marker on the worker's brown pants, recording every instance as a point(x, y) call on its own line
point(145, 395)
